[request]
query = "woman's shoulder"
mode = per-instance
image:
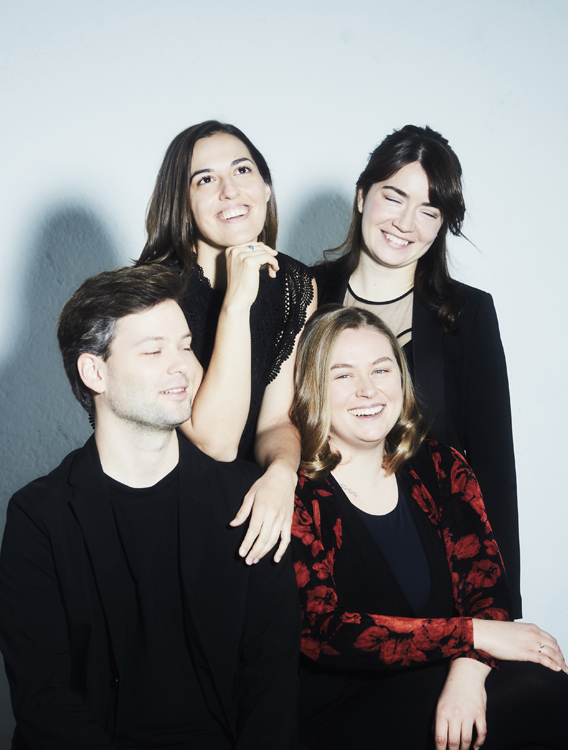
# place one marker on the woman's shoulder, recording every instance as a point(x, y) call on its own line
point(434, 461)
point(331, 282)
point(472, 296)
point(292, 267)
point(308, 490)
point(478, 317)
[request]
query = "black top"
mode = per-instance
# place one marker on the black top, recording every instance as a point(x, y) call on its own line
point(162, 703)
point(64, 583)
point(462, 386)
point(397, 537)
point(277, 316)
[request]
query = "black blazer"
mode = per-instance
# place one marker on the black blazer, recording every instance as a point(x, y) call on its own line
point(462, 385)
point(62, 577)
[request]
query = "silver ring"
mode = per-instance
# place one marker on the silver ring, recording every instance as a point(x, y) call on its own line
point(251, 248)
point(541, 646)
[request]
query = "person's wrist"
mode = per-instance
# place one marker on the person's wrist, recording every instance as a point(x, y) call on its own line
point(469, 668)
point(284, 472)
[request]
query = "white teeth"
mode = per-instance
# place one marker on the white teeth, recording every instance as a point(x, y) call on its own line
point(175, 390)
point(396, 240)
point(230, 213)
point(369, 412)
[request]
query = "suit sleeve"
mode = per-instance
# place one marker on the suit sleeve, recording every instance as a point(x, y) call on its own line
point(359, 640)
point(268, 690)
point(489, 437)
point(34, 641)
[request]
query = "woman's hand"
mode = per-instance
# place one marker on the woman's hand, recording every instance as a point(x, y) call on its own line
point(243, 268)
point(518, 641)
point(272, 501)
point(461, 707)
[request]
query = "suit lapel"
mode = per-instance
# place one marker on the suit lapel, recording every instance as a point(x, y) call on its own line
point(428, 354)
point(94, 513)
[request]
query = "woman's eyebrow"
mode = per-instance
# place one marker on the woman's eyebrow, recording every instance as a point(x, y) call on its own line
point(340, 365)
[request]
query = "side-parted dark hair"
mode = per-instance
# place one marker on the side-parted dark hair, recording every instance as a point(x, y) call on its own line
point(169, 223)
point(87, 322)
point(433, 283)
point(311, 411)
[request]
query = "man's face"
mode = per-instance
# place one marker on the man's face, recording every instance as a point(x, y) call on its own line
point(151, 373)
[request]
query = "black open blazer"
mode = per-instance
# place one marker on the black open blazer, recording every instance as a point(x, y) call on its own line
point(462, 385)
point(62, 577)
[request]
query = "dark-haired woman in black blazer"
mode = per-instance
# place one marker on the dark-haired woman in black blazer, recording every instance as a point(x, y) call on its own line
point(394, 263)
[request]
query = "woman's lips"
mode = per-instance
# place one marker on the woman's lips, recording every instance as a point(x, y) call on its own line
point(234, 212)
point(393, 239)
point(367, 411)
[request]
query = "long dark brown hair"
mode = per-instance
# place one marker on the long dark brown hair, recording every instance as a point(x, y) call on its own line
point(432, 283)
point(169, 223)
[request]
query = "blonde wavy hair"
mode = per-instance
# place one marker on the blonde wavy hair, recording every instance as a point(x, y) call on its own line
point(310, 410)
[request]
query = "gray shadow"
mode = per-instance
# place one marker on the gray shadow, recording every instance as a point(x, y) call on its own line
point(41, 420)
point(321, 223)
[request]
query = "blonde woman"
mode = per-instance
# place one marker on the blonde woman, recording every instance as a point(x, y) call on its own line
point(405, 605)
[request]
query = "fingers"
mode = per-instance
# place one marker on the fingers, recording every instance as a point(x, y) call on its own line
point(259, 257)
point(548, 654)
point(452, 736)
point(243, 512)
point(283, 546)
point(262, 546)
point(265, 528)
point(457, 736)
point(481, 732)
point(243, 271)
point(270, 519)
point(441, 734)
point(543, 648)
point(262, 534)
point(260, 252)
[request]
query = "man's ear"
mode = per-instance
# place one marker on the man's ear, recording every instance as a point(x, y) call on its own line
point(92, 371)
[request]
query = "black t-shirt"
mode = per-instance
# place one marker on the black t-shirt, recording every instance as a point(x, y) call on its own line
point(161, 701)
point(396, 535)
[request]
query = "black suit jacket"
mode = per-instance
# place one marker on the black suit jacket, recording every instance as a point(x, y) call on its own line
point(462, 385)
point(62, 582)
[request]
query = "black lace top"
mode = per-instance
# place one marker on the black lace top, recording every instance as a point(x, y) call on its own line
point(277, 316)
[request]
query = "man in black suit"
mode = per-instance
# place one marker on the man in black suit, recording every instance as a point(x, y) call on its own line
point(126, 617)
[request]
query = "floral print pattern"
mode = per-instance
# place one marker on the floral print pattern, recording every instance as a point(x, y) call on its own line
point(356, 640)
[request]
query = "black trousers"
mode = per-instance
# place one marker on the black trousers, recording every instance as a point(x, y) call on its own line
point(394, 710)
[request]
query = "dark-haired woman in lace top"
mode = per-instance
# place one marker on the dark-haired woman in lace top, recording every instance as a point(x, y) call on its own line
point(213, 215)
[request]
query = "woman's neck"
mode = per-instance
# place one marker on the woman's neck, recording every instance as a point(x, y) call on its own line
point(379, 283)
point(213, 264)
point(366, 484)
point(364, 464)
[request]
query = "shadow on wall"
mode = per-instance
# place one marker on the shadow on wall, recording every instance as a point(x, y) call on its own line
point(41, 421)
point(321, 223)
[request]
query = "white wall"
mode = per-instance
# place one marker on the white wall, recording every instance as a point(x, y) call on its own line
point(92, 93)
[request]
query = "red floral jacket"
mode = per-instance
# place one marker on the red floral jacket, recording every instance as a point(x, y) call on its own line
point(358, 640)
